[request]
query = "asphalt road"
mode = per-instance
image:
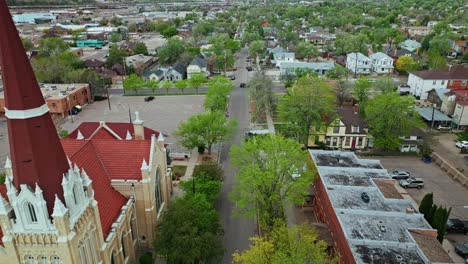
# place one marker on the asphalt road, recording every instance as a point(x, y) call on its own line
point(237, 230)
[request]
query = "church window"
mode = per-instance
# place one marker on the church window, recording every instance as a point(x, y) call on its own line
point(134, 227)
point(113, 258)
point(93, 248)
point(122, 241)
point(55, 260)
point(42, 260)
point(30, 259)
point(32, 213)
point(82, 254)
point(157, 191)
point(75, 194)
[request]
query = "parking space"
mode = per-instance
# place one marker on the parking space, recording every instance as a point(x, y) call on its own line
point(163, 114)
point(447, 192)
point(445, 146)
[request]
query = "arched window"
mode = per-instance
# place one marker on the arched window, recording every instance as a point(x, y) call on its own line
point(88, 249)
point(81, 253)
point(31, 212)
point(55, 260)
point(157, 191)
point(133, 227)
point(113, 257)
point(42, 260)
point(76, 194)
point(122, 241)
point(93, 248)
point(29, 259)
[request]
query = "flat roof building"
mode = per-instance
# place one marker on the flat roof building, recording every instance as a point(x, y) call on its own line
point(369, 220)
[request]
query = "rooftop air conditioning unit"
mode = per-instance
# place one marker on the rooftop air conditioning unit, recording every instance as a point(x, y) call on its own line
point(71, 88)
point(53, 87)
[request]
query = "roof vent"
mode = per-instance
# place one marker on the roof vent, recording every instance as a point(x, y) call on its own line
point(399, 258)
point(365, 197)
point(383, 228)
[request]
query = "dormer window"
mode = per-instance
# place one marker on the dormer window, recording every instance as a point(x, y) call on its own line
point(32, 213)
point(354, 129)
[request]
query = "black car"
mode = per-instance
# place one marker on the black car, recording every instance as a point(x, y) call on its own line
point(233, 77)
point(462, 249)
point(149, 98)
point(243, 85)
point(457, 226)
point(249, 68)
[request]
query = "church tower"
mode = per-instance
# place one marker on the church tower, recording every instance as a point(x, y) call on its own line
point(48, 213)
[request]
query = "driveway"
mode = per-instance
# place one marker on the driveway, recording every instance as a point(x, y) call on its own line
point(445, 146)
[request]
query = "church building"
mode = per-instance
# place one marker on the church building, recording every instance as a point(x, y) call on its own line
point(94, 197)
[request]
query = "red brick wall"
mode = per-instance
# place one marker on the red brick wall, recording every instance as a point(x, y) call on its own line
point(457, 84)
point(325, 213)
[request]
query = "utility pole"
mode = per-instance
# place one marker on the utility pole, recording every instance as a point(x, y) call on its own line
point(108, 97)
point(432, 119)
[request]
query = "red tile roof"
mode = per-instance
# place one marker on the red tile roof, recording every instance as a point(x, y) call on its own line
point(87, 129)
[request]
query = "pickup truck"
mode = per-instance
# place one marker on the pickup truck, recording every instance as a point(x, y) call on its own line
point(457, 226)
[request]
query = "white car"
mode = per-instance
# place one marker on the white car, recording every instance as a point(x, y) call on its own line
point(462, 144)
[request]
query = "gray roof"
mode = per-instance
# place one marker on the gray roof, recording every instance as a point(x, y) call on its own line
point(359, 55)
point(180, 69)
point(199, 61)
point(307, 65)
point(426, 113)
point(379, 56)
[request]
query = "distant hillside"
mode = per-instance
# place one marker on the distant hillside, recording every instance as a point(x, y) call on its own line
point(47, 2)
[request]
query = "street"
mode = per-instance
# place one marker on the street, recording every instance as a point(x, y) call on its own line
point(237, 230)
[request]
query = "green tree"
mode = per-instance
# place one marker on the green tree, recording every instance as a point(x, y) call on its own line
point(217, 96)
point(116, 21)
point(169, 32)
point(197, 81)
point(406, 64)
point(115, 37)
point(307, 104)
point(342, 91)
point(104, 22)
point(361, 91)
point(189, 232)
point(50, 47)
point(133, 83)
point(140, 48)
point(426, 205)
point(209, 170)
point(205, 129)
point(390, 117)
point(439, 222)
point(27, 44)
point(260, 91)
point(171, 51)
point(306, 50)
point(297, 244)
point(271, 169)
point(385, 84)
point(393, 35)
point(132, 27)
point(436, 61)
point(63, 133)
point(440, 44)
point(257, 48)
point(464, 57)
point(337, 72)
point(152, 85)
point(203, 185)
point(167, 85)
point(181, 85)
point(115, 56)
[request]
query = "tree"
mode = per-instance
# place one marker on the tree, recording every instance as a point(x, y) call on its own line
point(308, 103)
point(169, 32)
point(298, 244)
point(50, 47)
point(205, 129)
point(210, 170)
point(196, 81)
point(27, 44)
point(115, 37)
point(436, 61)
point(140, 48)
point(271, 169)
point(342, 91)
point(440, 44)
point(426, 205)
point(391, 116)
point(181, 85)
point(361, 91)
point(217, 96)
point(204, 185)
point(153, 85)
point(116, 21)
point(260, 90)
point(104, 22)
point(406, 64)
point(439, 222)
point(116, 55)
point(167, 85)
point(132, 27)
point(393, 35)
point(385, 84)
point(306, 50)
point(189, 232)
point(257, 48)
point(337, 72)
point(171, 51)
point(133, 83)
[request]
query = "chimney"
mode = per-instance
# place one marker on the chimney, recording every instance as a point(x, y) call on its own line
point(356, 109)
point(138, 128)
point(395, 51)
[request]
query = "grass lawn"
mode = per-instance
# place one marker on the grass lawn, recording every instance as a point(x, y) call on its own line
point(178, 171)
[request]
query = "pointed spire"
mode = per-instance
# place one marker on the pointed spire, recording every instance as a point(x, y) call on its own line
point(144, 165)
point(38, 190)
point(137, 120)
point(36, 152)
point(129, 136)
point(161, 137)
point(84, 176)
point(5, 206)
point(59, 208)
point(7, 163)
point(79, 135)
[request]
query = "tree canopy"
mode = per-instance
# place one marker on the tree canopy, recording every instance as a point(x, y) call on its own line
point(171, 51)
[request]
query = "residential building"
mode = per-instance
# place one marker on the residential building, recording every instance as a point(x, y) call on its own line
point(418, 31)
point(61, 99)
point(156, 73)
point(281, 57)
point(140, 62)
point(95, 64)
point(381, 63)
point(369, 220)
point(421, 82)
point(197, 66)
point(411, 45)
point(460, 114)
point(348, 131)
point(94, 197)
point(397, 53)
point(358, 63)
point(176, 73)
point(321, 68)
point(437, 96)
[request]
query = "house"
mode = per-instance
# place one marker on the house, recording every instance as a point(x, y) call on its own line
point(280, 57)
point(197, 66)
point(433, 117)
point(411, 45)
point(348, 131)
point(321, 68)
point(417, 31)
point(95, 64)
point(381, 63)
point(358, 63)
point(450, 100)
point(176, 73)
point(396, 53)
point(437, 96)
point(460, 114)
point(421, 82)
point(140, 62)
point(412, 142)
point(155, 73)
point(367, 216)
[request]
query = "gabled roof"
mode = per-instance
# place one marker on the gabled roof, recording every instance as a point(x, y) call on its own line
point(457, 72)
point(397, 53)
point(199, 61)
point(380, 56)
point(350, 119)
point(111, 130)
point(358, 55)
point(91, 63)
point(180, 69)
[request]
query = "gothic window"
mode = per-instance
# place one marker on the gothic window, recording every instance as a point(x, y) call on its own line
point(29, 259)
point(75, 194)
point(55, 260)
point(134, 227)
point(113, 257)
point(122, 241)
point(42, 260)
point(93, 248)
point(157, 191)
point(82, 254)
point(31, 213)
point(88, 250)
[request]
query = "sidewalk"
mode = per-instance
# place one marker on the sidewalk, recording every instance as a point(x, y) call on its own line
point(191, 163)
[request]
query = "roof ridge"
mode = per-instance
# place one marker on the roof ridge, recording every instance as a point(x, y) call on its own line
point(101, 162)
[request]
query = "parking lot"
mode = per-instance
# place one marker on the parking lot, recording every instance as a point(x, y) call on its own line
point(447, 192)
point(445, 146)
point(162, 114)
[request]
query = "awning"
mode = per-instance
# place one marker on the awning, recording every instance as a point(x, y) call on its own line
point(428, 113)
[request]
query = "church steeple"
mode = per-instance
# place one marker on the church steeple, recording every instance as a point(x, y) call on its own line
point(37, 156)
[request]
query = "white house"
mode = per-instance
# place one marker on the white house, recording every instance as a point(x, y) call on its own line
point(358, 63)
point(321, 68)
point(381, 63)
point(421, 82)
point(197, 66)
point(460, 115)
point(410, 45)
point(281, 57)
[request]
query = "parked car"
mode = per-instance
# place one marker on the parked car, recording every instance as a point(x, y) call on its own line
point(149, 98)
point(444, 128)
point(249, 68)
point(233, 77)
point(215, 72)
point(400, 175)
point(412, 183)
point(462, 249)
point(462, 144)
point(243, 85)
point(457, 226)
